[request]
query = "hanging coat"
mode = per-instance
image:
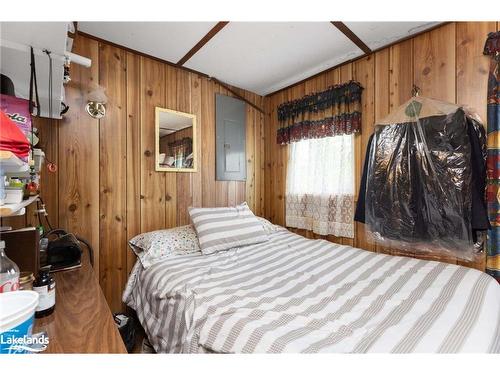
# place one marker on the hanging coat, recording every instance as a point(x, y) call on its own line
point(424, 178)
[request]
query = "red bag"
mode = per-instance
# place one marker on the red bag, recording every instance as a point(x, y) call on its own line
point(18, 111)
point(12, 138)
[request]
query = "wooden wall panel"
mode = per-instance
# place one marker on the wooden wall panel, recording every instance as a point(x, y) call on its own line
point(333, 77)
point(382, 84)
point(47, 132)
point(174, 84)
point(446, 63)
point(153, 192)
point(113, 174)
point(269, 146)
point(472, 65)
point(434, 63)
point(208, 89)
point(400, 73)
point(250, 157)
point(184, 187)
point(79, 153)
point(364, 73)
point(221, 187)
point(278, 157)
point(134, 155)
point(260, 161)
point(196, 108)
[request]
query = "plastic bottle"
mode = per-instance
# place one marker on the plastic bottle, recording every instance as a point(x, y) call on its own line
point(9, 272)
point(45, 286)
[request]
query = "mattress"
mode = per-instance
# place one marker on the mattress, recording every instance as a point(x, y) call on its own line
point(293, 294)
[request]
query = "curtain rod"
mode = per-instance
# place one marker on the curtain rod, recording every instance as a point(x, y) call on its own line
point(74, 58)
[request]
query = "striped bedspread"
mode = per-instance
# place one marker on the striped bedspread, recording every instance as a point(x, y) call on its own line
point(293, 294)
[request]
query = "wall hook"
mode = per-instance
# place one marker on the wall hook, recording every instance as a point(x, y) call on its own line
point(415, 91)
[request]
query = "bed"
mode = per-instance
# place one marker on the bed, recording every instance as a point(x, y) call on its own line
point(292, 294)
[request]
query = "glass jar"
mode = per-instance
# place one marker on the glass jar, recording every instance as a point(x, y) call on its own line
point(45, 286)
point(26, 281)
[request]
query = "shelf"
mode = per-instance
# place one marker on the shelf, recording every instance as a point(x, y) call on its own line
point(16, 209)
point(10, 163)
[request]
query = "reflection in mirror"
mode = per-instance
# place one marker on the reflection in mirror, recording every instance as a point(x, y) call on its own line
point(175, 141)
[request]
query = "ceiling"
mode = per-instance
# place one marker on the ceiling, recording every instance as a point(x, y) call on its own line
point(16, 64)
point(261, 57)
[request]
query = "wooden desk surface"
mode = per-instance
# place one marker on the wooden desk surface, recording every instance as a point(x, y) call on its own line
point(82, 321)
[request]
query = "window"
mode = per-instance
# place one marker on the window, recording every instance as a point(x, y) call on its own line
point(320, 185)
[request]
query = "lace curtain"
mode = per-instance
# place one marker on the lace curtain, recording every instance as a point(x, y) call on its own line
point(320, 185)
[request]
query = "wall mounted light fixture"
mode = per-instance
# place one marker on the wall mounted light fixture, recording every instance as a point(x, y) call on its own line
point(96, 109)
point(96, 102)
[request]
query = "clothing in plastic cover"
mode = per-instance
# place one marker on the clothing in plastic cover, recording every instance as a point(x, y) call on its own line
point(424, 179)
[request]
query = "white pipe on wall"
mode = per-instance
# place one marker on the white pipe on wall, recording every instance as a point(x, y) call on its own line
point(74, 58)
point(77, 59)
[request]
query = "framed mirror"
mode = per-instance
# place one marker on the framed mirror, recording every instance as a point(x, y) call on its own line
point(175, 141)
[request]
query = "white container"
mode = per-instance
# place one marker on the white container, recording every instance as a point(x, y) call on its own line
point(17, 310)
point(38, 159)
point(13, 195)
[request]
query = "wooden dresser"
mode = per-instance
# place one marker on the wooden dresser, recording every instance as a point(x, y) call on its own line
point(82, 321)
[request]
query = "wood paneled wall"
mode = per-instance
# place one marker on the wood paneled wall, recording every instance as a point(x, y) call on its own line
point(106, 188)
point(447, 63)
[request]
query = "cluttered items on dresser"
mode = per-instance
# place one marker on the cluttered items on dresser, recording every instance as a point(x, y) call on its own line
point(424, 179)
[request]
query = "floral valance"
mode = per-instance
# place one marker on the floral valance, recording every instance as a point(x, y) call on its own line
point(334, 111)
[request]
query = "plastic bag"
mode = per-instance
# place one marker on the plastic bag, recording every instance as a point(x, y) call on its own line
point(419, 180)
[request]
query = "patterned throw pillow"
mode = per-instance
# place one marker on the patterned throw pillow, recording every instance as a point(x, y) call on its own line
point(223, 228)
point(151, 246)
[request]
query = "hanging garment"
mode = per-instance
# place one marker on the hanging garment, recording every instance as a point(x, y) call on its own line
point(492, 48)
point(424, 179)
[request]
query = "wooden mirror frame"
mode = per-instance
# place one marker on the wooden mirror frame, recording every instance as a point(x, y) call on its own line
point(159, 110)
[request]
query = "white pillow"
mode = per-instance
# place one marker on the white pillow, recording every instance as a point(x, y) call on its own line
point(224, 228)
point(151, 246)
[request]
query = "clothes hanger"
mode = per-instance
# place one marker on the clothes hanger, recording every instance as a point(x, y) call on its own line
point(415, 91)
point(414, 107)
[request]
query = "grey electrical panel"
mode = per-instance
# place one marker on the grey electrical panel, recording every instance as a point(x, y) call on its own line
point(230, 132)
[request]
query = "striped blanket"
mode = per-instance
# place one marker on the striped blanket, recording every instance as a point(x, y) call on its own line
point(293, 294)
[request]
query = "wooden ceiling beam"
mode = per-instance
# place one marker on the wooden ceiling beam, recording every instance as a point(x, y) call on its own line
point(353, 37)
point(218, 27)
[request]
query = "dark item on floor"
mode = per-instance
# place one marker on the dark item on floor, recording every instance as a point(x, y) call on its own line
point(127, 326)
